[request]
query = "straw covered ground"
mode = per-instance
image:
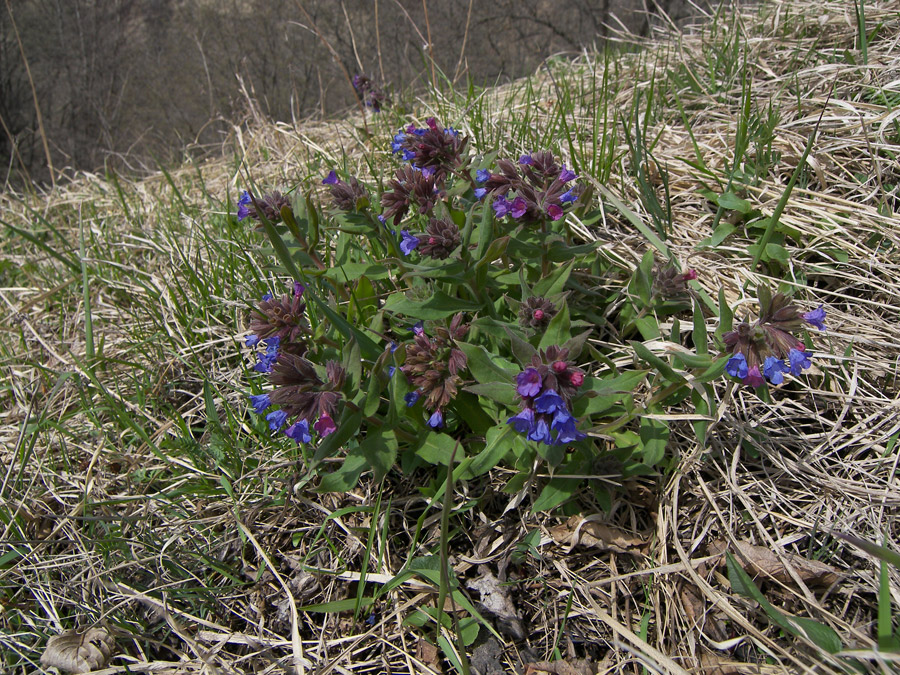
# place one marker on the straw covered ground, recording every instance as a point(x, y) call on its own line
point(140, 500)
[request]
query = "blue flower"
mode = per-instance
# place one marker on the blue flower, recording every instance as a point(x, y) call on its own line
point(523, 422)
point(737, 366)
point(567, 197)
point(272, 344)
point(526, 160)
point(407, 242)
point(816, 317)
point(267, 297)
point(480, 192)
point(549, 402)
point(299, 288)
point(411, 398)
point(243, 203)
point(397, 145)
point(799, 361)
point(252, 340)
point(330, 179)
point(436, 421)
point(774, 369)
point(418, 328)
point(564, 426)
point(265, 362)
point(260, 402)
point(528, 383)
point(299, 431)
point(276, 419)
point(482, 175)
point(541, 432)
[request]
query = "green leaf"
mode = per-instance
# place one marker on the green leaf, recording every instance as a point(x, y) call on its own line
point(501, 392)
point(815, 632)
point(438, 306)
point(346, 476)
point(732, 202)
point(554, 282)
point(499, 442)
point(486, 367)
point(352, 271)
point(660, 364)
point(718, 236)
point(555, 493)
point(380, 451)
point(522, 350)
point(654, 438)
point(436, 448)
point(558, 330)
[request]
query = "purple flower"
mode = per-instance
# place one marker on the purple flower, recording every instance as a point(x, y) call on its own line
point(325, 425)
point(480, 192)
point(799, 361)
point(482, 175)
point(298, 289)
point(418, 328)
point(244, 201)
point(411, 398)
point(299, 431)
point(737, 366)
point(260, 402)
point(754, 377)
point(774, 369)
point(436, 421)
point(501, 206)
point(518, 207)
point(526, 160)
point(555, 211)
point(816, 317)
point(267, 297)
point(523, 422)
point(567, 197)
point(276, 419)
point(330, 179)
point(549, 402)
point(565, 175)
point(407, 242)
point(252, 340)
point(397, 145)
point(528, 383)
point(272, 345)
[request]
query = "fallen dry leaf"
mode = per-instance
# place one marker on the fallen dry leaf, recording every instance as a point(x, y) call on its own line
point(77, 652)
point(581, 531)
point(762, 562)
point(427, 653)
point(710, 664)
point(496, 600)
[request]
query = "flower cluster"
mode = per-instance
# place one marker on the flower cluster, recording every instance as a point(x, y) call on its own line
point(268, 206)
point(283, 318)
point(536, 312)
point(539, 188)
point(411, 187)
point(433, 147)
point(546, 388)
point(767, 349)
point(299, 393)
point(369, 93)
point(669, 282)
point(433, 366)
point(346, 196)
point(440, 239)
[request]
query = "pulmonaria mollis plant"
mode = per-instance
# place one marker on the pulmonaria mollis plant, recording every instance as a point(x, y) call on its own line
point(532, 191)
point(768, 348)
point(269, 205)
point(346, 196)
point(545, 389)
point(535, 313)
point(433, 366)
point(300, 399)
point(434, 148)
point(411, 187)
point(369, 93)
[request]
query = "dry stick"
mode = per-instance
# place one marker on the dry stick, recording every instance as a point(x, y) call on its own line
point(429, 46)
point(462, 50)
point(15, 148)
point(37, 107)
point(378, 45)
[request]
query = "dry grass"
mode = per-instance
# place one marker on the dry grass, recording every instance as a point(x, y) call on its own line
point(102, 526)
